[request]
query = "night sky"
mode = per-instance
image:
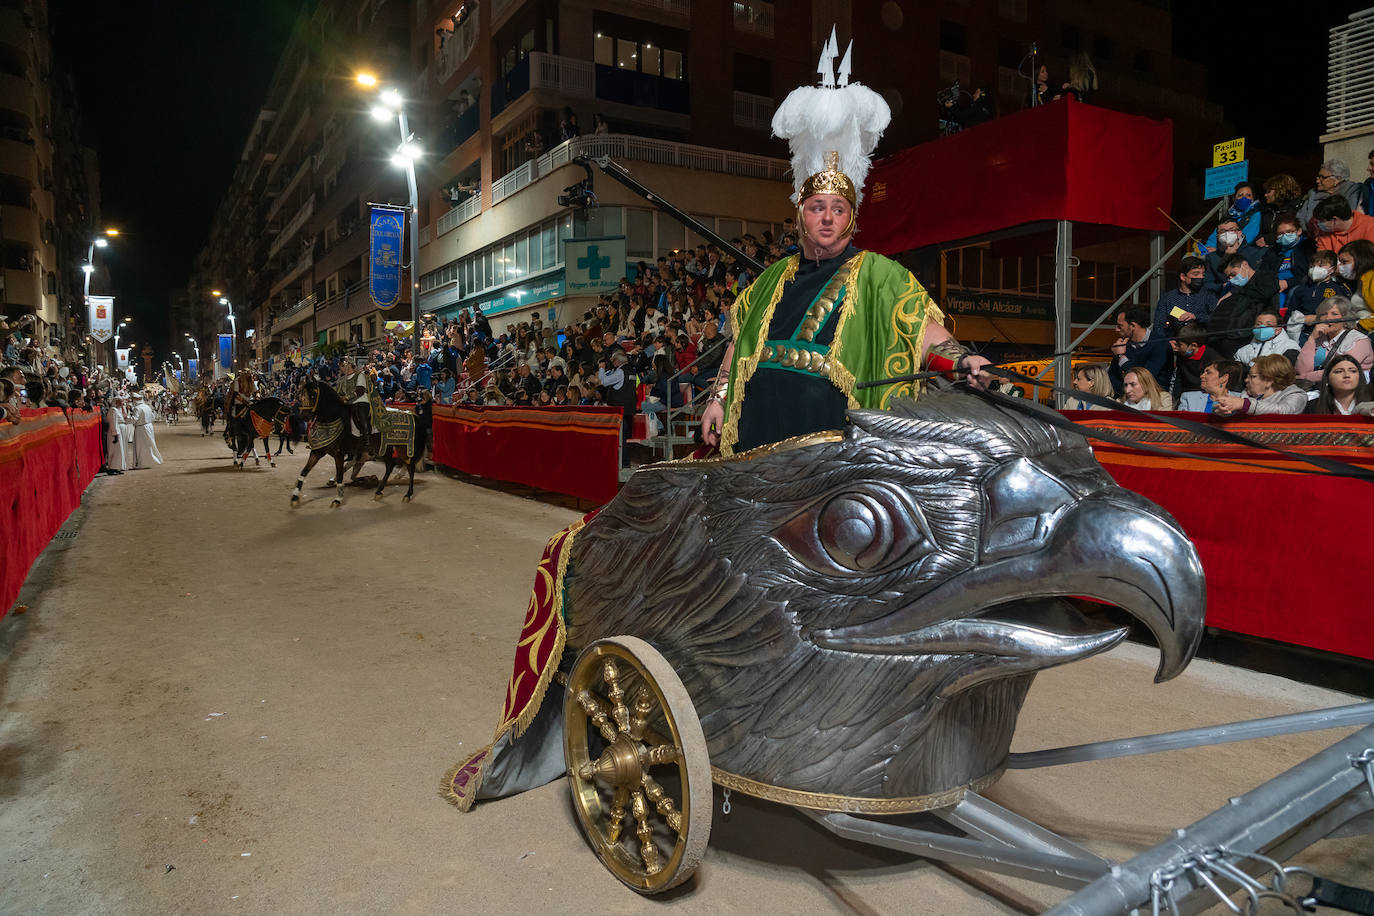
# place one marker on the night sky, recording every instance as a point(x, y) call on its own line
point(169, 90)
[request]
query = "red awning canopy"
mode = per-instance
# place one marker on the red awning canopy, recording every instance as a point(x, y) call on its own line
point(1062, 161)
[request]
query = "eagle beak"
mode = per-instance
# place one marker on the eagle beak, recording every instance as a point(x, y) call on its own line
point(1117, 548)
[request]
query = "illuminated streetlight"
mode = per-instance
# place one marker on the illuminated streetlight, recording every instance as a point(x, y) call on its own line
point(366, 79)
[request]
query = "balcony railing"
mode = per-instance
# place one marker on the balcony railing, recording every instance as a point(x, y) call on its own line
point(676, 7)
point(1351, 82)
point(568, 75)
point(294, 226)
point(457, 216)
point(754, 16)
point(753, 111)
point(641, 149)
point(294, 315)
point(426, 233)
point(457, 47)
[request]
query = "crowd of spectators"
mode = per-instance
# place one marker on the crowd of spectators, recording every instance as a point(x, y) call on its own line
point(1270, 316)
point(654, 344)
point(34, 374)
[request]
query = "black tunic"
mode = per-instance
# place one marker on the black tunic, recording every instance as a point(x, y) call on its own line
point(779, 403)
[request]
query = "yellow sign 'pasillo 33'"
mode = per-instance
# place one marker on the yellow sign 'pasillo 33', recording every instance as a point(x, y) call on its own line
point(1228, 152)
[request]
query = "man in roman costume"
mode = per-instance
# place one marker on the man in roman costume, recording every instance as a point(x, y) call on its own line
point(815, 324)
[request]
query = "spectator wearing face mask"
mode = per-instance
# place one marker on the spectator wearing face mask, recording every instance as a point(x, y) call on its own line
point(1323, 282)
point(1222, 379)
point(1333, 334)
point(1189, 301)
point(1229, 241)
point(1288, 257)
point(1244, 213)
point(1355, 265)
point(1338, 225)
point(1268, 338)
point(1333, 180)
point(1248, 292)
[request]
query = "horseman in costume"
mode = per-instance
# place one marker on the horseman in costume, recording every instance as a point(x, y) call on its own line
point(815, 324)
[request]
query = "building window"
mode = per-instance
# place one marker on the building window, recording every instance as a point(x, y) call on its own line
point(673, 65)
point(626, 54)
point(640, 53)
point(1070, 38)
point(953, 37)
point(605, 50)
point(371, 327)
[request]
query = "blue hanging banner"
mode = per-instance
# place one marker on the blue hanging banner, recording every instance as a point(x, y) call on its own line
point(384, 277)
point(226, 351)
point(193, 366)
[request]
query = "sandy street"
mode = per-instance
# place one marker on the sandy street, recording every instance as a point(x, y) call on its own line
point(218, 704)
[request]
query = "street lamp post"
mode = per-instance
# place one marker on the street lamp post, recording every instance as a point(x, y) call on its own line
point(195, 344)
point(100, 241)
point(404, 157)
point(233, 334)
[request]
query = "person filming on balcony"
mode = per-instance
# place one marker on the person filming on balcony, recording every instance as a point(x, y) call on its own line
point(816, 323)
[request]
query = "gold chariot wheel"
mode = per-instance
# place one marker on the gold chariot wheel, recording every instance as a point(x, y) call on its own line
point(637, 764)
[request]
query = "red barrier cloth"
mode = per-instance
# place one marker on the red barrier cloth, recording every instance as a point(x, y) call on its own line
point(45, 464)
point(1065, 160)
point(572, 450)
point(1283, 552)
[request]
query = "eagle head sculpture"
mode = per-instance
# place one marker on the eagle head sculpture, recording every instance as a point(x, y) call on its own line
point(860, 614)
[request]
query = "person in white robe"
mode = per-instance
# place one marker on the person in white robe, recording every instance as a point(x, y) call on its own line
point(145, 443)
point(126, 433)
point(116, 454)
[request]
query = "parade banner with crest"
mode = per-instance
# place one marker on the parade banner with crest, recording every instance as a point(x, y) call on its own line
point(101, 317)
point(384, 277)
point(193, 368)
point(226, 351)
point(122, 358)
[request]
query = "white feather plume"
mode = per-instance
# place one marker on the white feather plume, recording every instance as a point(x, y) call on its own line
point(816, 120)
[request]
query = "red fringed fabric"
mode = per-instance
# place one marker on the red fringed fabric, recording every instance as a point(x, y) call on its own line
point(572, 450)
point(1283, 551)
point(46, 463)
point(1046, 163)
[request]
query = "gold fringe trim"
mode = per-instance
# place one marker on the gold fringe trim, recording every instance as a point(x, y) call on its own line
point(536, 701)
point(526, 718)
point(839, 373)
point(746, 366)
point(824, 801)
point(461, 802)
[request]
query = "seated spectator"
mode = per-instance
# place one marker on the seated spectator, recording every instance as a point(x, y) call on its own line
point(1248, 292)
point(1268, 338)
point(1333, 180)
point(1222, 378)
point(1271, 387)
point(1282, 194)
point(1243, 213)
point(1334, 333)
point(1343, 386)
point(10, 403)
point(1191, 356)
point(1189, 301)
point(1141, 391)
point(1136, 347)
point(1230, 241)
point(1093, 379)
point(1338, 225)
point(1355, 265)
point(1322, 283)
point(1288, 256)
point(662, 394)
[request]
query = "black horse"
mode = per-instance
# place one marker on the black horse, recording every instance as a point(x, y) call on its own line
point(205, 411)
point(331, 434)
point(392, 455)
point(247, 422)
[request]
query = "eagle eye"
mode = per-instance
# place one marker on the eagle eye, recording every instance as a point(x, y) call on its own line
point(856, 531)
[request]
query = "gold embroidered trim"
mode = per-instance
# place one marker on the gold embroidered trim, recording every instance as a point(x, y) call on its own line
point(744, 369)
point(823, 801)
point(837, 371)
point(833, 435)
point(560, 638)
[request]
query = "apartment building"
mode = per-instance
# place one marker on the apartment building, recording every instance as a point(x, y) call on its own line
point(288, 244)
point(47, 180)
point(686, 89)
